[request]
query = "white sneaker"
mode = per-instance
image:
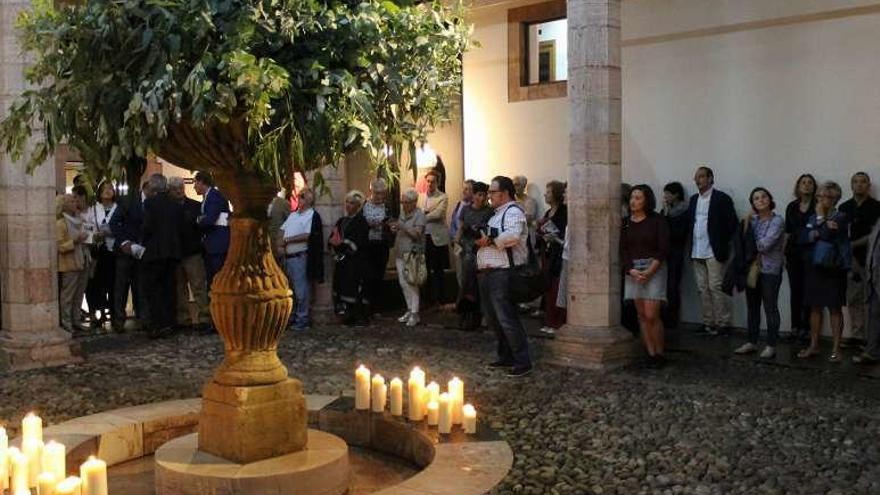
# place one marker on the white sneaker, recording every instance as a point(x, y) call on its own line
point(413, 320)
point(405, 317)
point(546, 330)
point(768, 352)
point(746, 348)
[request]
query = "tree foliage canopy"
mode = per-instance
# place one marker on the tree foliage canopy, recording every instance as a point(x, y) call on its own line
point(261, 87)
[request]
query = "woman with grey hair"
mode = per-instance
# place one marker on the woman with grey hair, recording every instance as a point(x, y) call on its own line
point(349, 243)
point(827, 250)
point(379, 237)
point(410, 230)
point(71, 236)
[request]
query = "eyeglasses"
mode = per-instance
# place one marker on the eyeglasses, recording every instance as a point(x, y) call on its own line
point(490, 191)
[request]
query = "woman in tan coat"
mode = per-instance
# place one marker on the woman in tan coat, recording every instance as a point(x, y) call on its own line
point(70, 234)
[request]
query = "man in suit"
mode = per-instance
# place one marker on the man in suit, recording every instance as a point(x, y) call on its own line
point(125, 224)
point(162, 253)
point(467, 196)
point(214, 222)
point(871, 353)
point(434, 204)
point(190, 277)
point(713, 223)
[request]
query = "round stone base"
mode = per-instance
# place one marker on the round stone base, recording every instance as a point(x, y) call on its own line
point(320, 469)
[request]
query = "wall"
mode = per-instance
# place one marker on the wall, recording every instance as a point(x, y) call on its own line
point(760, 90)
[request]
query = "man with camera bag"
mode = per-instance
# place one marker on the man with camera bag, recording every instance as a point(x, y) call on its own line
point(501, 249)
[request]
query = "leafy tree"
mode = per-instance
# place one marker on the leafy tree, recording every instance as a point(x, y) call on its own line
point(250, 90)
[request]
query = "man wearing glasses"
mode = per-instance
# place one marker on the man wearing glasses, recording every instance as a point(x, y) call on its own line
point(502, 247)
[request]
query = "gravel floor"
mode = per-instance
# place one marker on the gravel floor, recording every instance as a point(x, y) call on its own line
point(702, 425)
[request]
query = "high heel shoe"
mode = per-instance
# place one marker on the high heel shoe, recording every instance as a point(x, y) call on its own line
point(834, 357)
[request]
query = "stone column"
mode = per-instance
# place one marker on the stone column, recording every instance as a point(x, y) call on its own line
point(31, 336)
point(330, 206)
point(592, 337)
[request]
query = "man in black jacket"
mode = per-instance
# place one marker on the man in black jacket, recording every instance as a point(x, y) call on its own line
point(190, 275)
point(713, 223)
point(162, 253)
point(126, 224)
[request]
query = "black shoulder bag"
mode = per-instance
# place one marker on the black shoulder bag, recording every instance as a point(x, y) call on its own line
point(527, 280)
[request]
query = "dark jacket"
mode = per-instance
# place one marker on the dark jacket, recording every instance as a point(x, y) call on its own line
point(190, 235)
point(216, 236)
point(315, 253)
point(722, 223)
point(127, 221)
point(162, 228)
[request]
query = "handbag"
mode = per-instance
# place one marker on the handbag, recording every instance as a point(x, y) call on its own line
point(826, 254)
point(415, 270)
point(526, 281)
point(754, 274)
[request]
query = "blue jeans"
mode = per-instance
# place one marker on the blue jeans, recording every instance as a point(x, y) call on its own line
point(503, 318)
point(297, 277)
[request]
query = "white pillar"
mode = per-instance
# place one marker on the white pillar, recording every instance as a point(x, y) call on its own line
point(30, 336)
point(592, 337)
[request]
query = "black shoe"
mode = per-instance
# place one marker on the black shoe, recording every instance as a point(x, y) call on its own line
point(519, 371)
point(160, 333)
point(500, 364)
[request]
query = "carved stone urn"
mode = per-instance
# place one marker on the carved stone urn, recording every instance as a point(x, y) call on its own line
point(251, 409)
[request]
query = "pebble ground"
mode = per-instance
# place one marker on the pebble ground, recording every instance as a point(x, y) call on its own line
point(704, 424)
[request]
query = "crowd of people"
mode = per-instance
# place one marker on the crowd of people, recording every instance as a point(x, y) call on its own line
point(830, 253)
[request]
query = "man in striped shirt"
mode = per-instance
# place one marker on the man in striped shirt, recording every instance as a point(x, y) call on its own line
point(500, 249)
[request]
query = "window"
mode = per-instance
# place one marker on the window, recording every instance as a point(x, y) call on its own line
point(537, 39)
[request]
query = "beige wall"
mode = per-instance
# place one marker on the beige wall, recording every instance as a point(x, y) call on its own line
point(762, 90)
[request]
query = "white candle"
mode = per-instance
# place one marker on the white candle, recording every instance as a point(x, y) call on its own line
point(379, 393)
point(54, 455)
point(94, 477)
point(397, 397)
point(456, 398)
point(46, 483)
point(362, 388)
point(18, 467)
point(444, 420)
point(433, 392)
point(32, 448)
point(32, 427)
point(416, 389)
point(469, 419)
point(4, 460)
point(433, 413)
point(69, 486)
point(4, 469)
point(23, 491)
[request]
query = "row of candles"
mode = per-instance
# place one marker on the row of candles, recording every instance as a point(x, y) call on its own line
point(442, 410)
point(44, 466)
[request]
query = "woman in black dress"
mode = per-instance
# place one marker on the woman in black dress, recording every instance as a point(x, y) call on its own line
point(675, 207)
point(551, 237)
point(825, 240)
point(796, 215)
point(348, 241)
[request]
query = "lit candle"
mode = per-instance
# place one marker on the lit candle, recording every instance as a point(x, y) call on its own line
point(362, 388)
point(433, 392)
point(379, 393)
point(444, 419)
point(469, 419)
point(46, 483)
point(416, 389)
point(54, 454)
point(4, 460)
point(32, 427)
point(32, 448)
point(23, 491)
point(456, 398)
point(433, 413)
point(69, 486)
point(397, 397)
point(18, 466)
point(94, 476)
